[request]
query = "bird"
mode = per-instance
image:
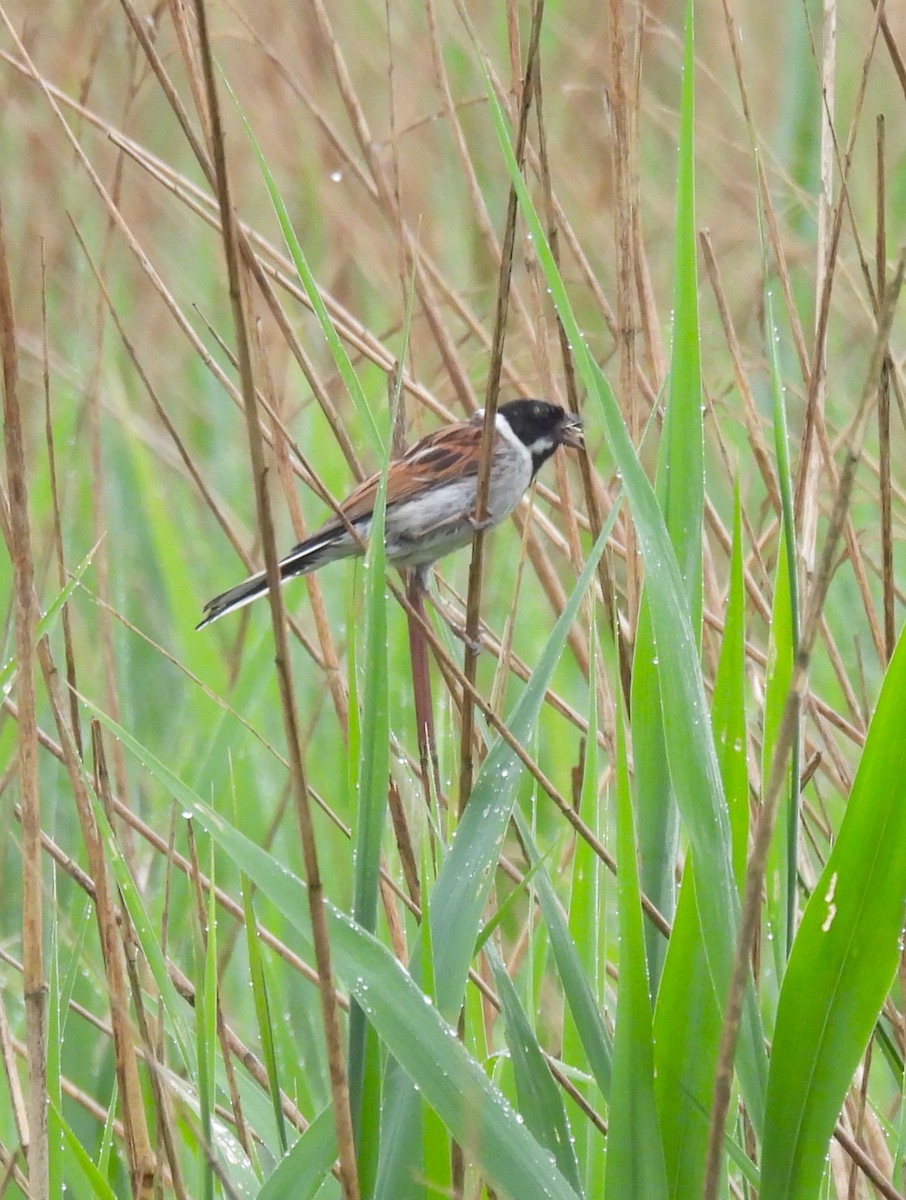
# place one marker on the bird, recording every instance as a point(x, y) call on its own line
point(431, 497)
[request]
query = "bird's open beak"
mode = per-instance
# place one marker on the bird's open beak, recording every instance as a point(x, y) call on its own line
point(571, 433)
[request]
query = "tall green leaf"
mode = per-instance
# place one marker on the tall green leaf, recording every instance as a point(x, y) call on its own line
point(540, 1102)
point(635, 1154)
point(681, 491)
point(778, 676)
point(584, 1007)
point(842, 961)
point(582, 935)
point(782, 649)
point(364, 1061)
point(687, 1018)
point(301, 1173)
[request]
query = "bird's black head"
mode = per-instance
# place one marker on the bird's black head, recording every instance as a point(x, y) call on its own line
point(542, 427)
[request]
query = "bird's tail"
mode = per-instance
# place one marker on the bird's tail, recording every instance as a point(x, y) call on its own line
point(304, 558)
point(237, 597)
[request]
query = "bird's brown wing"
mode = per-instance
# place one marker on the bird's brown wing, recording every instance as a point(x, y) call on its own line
point(449, 453)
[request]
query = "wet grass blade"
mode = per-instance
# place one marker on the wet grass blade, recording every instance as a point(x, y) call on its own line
point(635, 1153)
point(681, 492)
point(843, 960)
point(687, 1018)
point(304, 1170)
point(540, 1102)
point(781, 890)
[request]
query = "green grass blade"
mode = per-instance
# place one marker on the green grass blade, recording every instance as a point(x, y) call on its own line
point(681, 490)
point(81, 1159)
point(843, 959)
point(687, 1018)
point(206, 1038)
point(635, 1156)
point(682, 462)
point(364, 1065)
point(785, 639)
point(687, 1032)
point(539, 1097)
point(583, 946)
point(174, 1006)
point(302, 1172)
point(778, 676)
point(48, 617)
point(728, 705)
point(658, 814)
point(575, 979)
point(504, 910)
point(263, 1011)
point(461, 888)
point(437, 1166)
point(56, 998)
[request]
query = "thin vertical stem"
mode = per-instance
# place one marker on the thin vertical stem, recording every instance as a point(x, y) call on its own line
point(315, 889)
point(18, 535)
point(489, 431)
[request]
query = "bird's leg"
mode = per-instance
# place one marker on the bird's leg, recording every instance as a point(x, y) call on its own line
point(420, 580)
point(421, 690)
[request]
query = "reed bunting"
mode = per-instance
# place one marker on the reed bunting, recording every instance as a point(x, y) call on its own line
point(431, 493)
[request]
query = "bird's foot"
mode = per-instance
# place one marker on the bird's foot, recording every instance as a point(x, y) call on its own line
point(479, 526)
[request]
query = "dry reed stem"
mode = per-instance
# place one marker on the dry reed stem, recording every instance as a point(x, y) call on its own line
point(17, 1101)
point(896, 56)
point(814, 420)
point(140, 1155)
point(807, 512)
point(159, 844)
point(765, 198)
point(315, 890)
point(163, 1115)
point(888, 582)
point(416, 262)
point(99, 502)
point(192, 470)
point(541, 563)
point(331, 663)
point(276, 264)
point(753, 421)
point(479, 207)
point(622, 95)
point(11, 1171)
point(18, 538)
point(488, 431)
point(66, 622)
